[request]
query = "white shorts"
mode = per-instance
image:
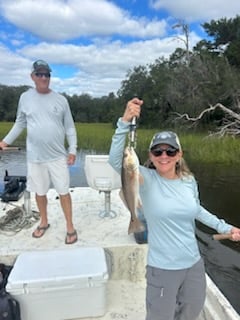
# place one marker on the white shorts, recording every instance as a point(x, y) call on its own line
point(41, 175)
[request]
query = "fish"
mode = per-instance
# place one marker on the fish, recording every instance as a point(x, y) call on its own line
point(131, 180)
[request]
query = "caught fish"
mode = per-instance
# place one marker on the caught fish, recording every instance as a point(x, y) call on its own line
point(130, 188)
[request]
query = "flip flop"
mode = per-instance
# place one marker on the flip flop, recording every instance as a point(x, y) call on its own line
point(42, 231)
point(71, 234)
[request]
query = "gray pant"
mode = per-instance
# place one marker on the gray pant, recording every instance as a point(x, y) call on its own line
point(175, 294)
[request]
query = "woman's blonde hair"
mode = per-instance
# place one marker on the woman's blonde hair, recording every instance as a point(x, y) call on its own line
point(182, 169)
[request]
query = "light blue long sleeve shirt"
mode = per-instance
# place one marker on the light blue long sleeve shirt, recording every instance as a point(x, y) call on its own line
point(170, 208)
point(49, 121)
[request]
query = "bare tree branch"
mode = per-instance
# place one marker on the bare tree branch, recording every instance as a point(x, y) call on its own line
point(231, 123)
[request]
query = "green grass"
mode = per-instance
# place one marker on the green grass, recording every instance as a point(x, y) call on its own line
point(200, 147)
point(5, 127)
point(196, 147)
point(94, 136)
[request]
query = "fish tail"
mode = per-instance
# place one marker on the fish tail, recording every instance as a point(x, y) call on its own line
point(135, 226)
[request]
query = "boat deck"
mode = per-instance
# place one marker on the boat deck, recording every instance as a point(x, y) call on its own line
point(126, 259)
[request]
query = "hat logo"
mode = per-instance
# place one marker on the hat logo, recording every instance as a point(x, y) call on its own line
point(41, 63)
point(163, 135)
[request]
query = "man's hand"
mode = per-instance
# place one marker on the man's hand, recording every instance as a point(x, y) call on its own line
point(3, 144)
point(71, 159)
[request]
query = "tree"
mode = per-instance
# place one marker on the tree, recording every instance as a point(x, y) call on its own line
point(226, 38)
point(9, 97)
point(230, 124)
point(185, 39)
point(135, 84)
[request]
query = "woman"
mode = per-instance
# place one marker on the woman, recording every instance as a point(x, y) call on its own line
point(175, 274)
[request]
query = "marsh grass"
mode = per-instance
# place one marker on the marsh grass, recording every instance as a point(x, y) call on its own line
point(94, 136)
point(5, 127)
point(196, 147)
point(201, 147)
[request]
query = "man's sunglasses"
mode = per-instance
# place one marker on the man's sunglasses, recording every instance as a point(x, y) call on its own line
point(171, 152)
point(42, 74)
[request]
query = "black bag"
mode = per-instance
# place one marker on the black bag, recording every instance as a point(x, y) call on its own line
point(9, 307)
point(13, 190)
point(12, 185)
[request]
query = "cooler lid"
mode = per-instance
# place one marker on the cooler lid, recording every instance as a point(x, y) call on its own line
point(35, 268)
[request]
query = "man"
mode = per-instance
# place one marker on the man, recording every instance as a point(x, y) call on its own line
point(48, 119)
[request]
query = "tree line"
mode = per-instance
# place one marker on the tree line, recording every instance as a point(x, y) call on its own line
point(188, 82)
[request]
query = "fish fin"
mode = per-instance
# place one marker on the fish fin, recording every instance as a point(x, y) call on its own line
point(121, 194)
point(141, 179)
point(132, 175)
point(139, 204)
point(123, 198)
point(135, 226)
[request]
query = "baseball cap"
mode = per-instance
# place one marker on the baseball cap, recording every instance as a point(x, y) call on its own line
point(165, 137)
point(40, 64)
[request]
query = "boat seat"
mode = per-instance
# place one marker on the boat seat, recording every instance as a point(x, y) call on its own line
point(102, 177)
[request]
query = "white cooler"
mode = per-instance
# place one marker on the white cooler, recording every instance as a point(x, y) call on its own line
point(60, 284)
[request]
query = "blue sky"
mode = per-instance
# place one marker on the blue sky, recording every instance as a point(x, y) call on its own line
point(91, 44)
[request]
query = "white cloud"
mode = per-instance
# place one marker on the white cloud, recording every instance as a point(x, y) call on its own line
point(70, 19)
point(192, 10)
point(87, 38)
point(102, 65)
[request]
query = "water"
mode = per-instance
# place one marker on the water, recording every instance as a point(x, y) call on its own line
point(219, 192)
point(15, 163)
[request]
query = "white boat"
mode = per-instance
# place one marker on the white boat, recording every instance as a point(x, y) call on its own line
point(125, 298)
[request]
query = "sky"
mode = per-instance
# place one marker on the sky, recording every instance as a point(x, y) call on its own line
point(92, 44)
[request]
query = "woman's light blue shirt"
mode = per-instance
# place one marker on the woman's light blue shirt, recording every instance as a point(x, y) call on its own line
point(170, 208)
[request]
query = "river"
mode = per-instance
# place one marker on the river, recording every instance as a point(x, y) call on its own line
point(219, 192)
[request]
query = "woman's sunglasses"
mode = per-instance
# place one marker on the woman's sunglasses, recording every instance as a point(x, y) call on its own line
point(171, 152)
